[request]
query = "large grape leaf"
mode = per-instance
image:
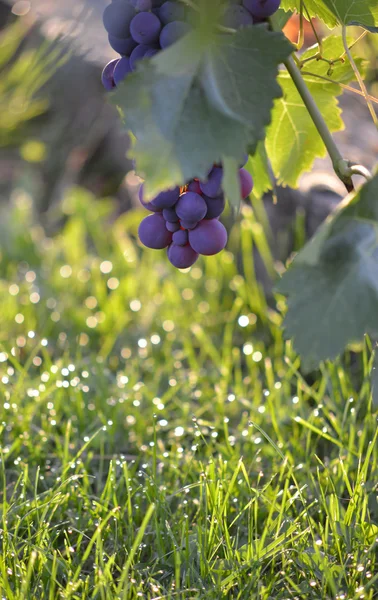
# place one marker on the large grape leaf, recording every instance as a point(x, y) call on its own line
point(332, 285)
point(315, 8)
point(205, 99)
point(293, 142)
point(339, 12)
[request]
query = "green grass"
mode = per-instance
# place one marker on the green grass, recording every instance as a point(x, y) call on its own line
point(158, 439)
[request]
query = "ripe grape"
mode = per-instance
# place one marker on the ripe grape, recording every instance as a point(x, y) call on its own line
point(180, 237)
point(208, 238)
point(194, 186)
point(117, 18)
point(171, 11)
point(107, 76)
point(182, 257)
point(151, 52)
point(172, 227)
point(153, 232)
point(262, 8)
point(191, 207)
point(172, 32)
point(122, 70)
point(167, 199)
point(215, 206)
point(237, 17)
point(188, 224)
point(145, 28)
point(147, 205)
point(142, 5)
point(246, 183)
point(170, 215)
point(213, 186)
point(123, 46)
point(138, 53)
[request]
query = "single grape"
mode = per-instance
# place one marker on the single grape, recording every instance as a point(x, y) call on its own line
point(215, 206)
point(153, 232)
point(191, 207)
point(147, 205)
point(145, 28)
point(188, 224)
point(117, 18)
point(237, 17)
point(180, 237)
point(213, 186)
point(172, 32)
point(123, 46)
point(244, 161)
point(151, 52)
point(194, 186)
point(138, 53)
point(170, 215)
point(142, 5)
point(246, 183)
point(107, 76)
point(262, 8)
point(182, 257)
point(122, 70)
point(167, 199)
point(208, 238)
point(171, 11)
point(172, 227)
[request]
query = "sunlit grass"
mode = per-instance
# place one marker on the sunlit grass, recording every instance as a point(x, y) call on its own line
point(158, 439)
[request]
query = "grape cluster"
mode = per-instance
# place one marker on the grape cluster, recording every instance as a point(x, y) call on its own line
point(138, 29)
point(186, 220)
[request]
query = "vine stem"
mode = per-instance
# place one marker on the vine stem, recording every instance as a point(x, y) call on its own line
point(358, 77)
point(340, 165)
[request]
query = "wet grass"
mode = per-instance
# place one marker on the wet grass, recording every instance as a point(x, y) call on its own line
point(158, 439)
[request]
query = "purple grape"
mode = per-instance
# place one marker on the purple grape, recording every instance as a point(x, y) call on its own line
point(180, 237)
point(208, 238)
point(215, 206)
point(117, 18)
point(194, 186)
point(153, 232)
point(171, 11)
point(147, 205)
point(151, 52)
point(122, 70)
point(123, 46)
point(137, 54)
point(244, 161)
point(237, 17)
point(213, 186)
point(188, 224)
point(142, 5)
point(172, 32)
point(170, 215)
point(145, 28)
point(246, 183)
point(262, 8)
point(191, 207)
point(107, 76)
point(167, 199)
point(182, 257)
point(172, 227)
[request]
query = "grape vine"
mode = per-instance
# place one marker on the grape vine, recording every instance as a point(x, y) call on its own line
point(206, 87)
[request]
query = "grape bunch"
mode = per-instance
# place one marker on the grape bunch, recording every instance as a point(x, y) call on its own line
point(139, 29)
point(186, 220)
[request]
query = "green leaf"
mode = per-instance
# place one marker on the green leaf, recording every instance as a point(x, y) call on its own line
point(339, 12)
point(332, 285)
point(355, 12)
point(315, 8)
point(258, 166)
point(206, 97)
point(293, 142)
